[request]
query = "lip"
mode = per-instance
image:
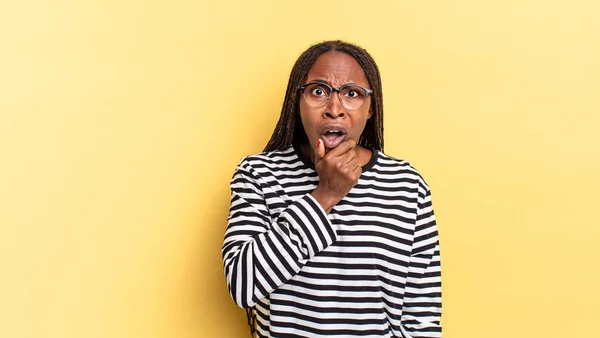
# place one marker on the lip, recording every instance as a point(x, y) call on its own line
point(330, 127)
point(332, 142)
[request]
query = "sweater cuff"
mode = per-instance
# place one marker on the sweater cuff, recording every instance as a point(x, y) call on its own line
point(310, 220)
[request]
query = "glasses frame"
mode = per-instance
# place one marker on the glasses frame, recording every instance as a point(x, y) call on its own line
point(368, 92)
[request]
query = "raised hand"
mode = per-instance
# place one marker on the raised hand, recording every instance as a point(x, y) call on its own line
point(338, 171)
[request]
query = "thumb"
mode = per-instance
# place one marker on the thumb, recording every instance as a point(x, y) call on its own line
point(319, 151)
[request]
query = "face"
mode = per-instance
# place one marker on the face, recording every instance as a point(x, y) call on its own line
point(333, 123)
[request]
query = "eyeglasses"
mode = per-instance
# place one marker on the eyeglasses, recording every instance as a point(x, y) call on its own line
point(351, 96)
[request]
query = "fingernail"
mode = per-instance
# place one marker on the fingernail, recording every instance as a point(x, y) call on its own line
point(318, 143)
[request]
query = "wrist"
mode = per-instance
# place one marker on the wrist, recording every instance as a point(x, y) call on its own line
point(327, 201)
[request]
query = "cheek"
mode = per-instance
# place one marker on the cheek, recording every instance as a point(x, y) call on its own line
point(361, 120)
point(307, 123)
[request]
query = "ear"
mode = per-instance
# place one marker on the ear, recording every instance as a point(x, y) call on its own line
point(370, 113)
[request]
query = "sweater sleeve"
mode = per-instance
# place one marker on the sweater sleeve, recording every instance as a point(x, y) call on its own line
point(422, 307)
point(260, 254)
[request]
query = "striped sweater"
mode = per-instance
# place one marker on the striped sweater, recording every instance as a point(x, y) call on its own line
point(369, 268)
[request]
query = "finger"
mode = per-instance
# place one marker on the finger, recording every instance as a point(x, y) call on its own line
point(355, 166)
point(353, 156)
point(352, 171)
point(349, 168)
point(342, 148)
point(348, 157)
point(358, 171)
point(319, 151)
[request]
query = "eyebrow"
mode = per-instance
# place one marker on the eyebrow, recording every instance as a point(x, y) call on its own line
point(327, 82)
point(319, 80)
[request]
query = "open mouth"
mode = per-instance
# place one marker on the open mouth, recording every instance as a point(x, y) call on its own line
point(333, 137)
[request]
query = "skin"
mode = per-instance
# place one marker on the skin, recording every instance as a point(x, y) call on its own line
point(339, 168)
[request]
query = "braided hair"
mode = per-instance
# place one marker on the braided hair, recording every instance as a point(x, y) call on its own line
point(289, 129)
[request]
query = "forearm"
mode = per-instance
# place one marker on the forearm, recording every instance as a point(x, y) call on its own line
point(422, 309)
point(258, 262)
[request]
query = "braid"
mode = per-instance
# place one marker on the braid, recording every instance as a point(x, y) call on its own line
point(289, 128)
point(251, 320)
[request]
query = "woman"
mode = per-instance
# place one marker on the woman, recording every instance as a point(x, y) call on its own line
point(327, 235)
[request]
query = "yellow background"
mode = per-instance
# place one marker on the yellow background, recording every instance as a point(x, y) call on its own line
point(121, 123)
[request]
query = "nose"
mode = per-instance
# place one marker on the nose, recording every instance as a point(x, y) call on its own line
point(334, 108)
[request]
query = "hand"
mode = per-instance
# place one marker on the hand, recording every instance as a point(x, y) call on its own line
point(338, 171)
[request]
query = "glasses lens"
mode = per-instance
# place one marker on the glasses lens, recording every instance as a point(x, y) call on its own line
point(353, 97)
point(316, 95)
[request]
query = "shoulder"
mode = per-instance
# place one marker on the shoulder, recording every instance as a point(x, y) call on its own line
point(268, 167)
point(270, 158)
point(272, 163)
point(400, 168)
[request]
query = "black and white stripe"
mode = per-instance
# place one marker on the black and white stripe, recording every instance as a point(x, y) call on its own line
point(370, 268)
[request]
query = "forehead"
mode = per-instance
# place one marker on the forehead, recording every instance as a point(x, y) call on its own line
point(337, 68)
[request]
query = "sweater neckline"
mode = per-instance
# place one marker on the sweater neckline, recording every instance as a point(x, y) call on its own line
point(310, 164)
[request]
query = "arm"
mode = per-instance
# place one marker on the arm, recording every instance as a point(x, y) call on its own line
point(260, 255)
point(422, 307)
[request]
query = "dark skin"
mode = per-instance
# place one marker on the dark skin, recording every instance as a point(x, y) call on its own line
point(340, 167)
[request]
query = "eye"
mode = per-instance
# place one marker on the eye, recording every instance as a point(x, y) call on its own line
point(353, 93)
point(318, 91)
